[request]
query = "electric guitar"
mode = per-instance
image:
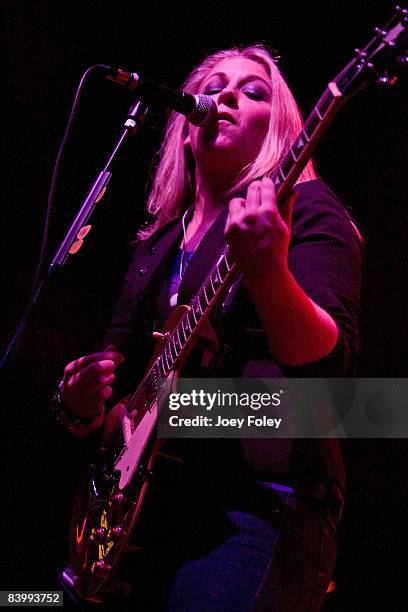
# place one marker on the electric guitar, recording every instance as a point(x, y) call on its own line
point(112, 492)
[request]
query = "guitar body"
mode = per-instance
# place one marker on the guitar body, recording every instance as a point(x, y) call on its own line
point(113, 488)
point(103, 522)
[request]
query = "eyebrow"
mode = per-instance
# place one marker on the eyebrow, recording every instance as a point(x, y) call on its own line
point(250, 77)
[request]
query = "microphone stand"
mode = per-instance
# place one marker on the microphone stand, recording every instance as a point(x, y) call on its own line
point(78, 229)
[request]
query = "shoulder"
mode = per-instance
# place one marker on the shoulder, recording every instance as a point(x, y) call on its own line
point(318, 212)
point(316, 198)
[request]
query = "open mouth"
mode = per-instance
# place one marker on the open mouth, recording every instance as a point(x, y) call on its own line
point(225, 117)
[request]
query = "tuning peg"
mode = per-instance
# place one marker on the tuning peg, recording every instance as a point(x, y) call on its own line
point(401, 11)
point(380, 32)
point(386, 79)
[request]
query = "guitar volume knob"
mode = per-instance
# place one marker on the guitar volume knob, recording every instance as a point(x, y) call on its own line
point(116, 532)
point(100, 534)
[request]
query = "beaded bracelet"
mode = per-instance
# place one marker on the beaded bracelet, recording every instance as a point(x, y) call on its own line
point(65, 417)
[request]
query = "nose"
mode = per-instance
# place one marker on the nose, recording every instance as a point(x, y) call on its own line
point(228, 97)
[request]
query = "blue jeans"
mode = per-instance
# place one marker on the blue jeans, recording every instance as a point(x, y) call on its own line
point(263, 549)
point(279, 559)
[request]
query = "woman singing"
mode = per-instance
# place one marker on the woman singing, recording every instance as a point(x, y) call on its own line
point(251, 523)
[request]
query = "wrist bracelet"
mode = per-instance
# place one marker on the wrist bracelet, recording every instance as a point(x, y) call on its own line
point(65, 417)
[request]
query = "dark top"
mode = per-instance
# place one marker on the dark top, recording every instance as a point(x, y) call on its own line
point(324, 257)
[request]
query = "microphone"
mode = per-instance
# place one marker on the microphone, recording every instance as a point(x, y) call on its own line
point(198, 108)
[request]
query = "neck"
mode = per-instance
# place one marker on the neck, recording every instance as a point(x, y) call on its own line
point(210, 197)
point(208, 203)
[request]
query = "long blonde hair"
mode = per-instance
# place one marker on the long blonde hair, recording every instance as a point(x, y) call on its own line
point(173, 184)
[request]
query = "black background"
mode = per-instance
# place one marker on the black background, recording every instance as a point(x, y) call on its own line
point(48, 46)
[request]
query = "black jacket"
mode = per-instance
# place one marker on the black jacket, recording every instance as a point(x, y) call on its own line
point(324, 257)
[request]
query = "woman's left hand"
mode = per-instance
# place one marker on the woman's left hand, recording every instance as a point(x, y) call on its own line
point(258, 231)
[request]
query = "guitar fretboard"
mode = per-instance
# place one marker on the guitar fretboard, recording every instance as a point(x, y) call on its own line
point(200, 306)
point(295, 160)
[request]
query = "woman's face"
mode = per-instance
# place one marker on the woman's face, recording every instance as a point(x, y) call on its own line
point(242, 91)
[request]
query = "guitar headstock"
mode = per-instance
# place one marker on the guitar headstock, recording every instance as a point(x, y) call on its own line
point(380, 59)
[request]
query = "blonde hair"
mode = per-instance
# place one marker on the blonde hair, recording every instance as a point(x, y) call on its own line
point(173, 184)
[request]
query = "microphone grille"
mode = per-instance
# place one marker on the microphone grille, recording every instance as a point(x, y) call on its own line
point(205, 110)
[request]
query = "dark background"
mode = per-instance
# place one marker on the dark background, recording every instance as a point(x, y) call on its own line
point(48, 45)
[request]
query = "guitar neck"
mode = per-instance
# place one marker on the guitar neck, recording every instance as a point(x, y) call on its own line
point(301, 150)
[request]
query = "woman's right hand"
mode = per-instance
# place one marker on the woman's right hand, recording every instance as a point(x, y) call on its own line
point(87, 382)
